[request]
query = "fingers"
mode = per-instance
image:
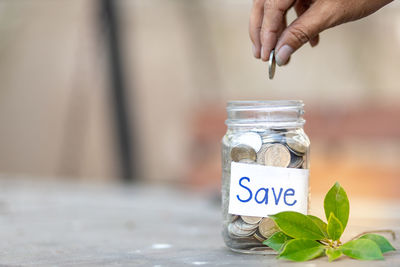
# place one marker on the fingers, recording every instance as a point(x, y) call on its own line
point(314, 41)
point(301, 7)
point(273, 24)
point(304, 29)
point(256, 17)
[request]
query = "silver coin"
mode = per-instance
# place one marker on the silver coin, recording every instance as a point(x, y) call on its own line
point(295, 161)
point(251, 139)
point(247, 161)
point(294, 151)
point(241, 152)
point(297, 142)
point(272, 138)
point(242, 225)
point(251, 219)
point(257, 235)
point(267, 227)
point(261, 154)
point(235, 231)
point(277, 155)
point(271, 65)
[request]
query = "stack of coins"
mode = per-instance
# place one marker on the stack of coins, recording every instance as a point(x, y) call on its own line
point(274, 148)
point(277, 148)
point(258, 228)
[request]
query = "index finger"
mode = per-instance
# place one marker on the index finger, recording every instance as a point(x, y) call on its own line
point(273, 24)
point(256, 17)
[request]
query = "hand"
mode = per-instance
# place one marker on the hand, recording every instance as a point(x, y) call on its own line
point(268, 28)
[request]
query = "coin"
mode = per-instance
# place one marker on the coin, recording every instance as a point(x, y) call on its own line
point(259, 237)
point(251, 219)
point(294, 151)
point(277, 155)
point(247, 161)
point(242, 225)
point(235, 231)
point(271, 65)
point(267, 227)
point(251, 139)
point(241, 152)
point(296, 142)
point(295, 161)
point(272, 138)
point(261, 154)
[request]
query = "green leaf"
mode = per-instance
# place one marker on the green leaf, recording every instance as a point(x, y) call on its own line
point(277, 240)
point(336, 201)
point(301, 250)
point(362, 249)
point(320, 223)
point(381, 241)
point(333, 253)
point(335, 228)
point(297, 225)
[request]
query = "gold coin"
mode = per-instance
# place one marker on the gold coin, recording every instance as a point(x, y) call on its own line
point(251, 219)
point(267, 227)
point(241, 152)
point(297, 142)
point(277, 155)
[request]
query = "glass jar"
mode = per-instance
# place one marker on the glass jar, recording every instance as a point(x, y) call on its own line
point(265, 161)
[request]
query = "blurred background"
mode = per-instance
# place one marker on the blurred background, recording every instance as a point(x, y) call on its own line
point(135, 90)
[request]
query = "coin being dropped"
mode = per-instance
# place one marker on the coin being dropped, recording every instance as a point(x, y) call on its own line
point(251, 139)
point(297, 142)
point(242, 152)
point(277, 155)
point(271, 65)
point(267, 227)
point(251, 219)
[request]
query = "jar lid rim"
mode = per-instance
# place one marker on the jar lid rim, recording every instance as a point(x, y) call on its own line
point(264, 104)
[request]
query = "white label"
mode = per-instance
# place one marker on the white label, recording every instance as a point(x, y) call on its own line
point(260, 191)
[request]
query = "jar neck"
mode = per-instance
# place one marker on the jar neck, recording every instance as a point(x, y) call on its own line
point(267, 114)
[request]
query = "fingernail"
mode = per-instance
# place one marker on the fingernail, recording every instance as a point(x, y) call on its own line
point(283, 55)
point(254, 51)
point(262, 52)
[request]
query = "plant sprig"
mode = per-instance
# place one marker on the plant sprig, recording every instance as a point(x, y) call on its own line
point(305, 237)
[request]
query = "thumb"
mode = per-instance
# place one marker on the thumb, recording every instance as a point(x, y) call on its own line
point(300, 31)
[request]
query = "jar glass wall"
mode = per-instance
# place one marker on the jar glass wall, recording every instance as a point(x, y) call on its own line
point(267, 134)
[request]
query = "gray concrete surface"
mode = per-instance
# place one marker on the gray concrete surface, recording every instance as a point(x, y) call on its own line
point(69, 224)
